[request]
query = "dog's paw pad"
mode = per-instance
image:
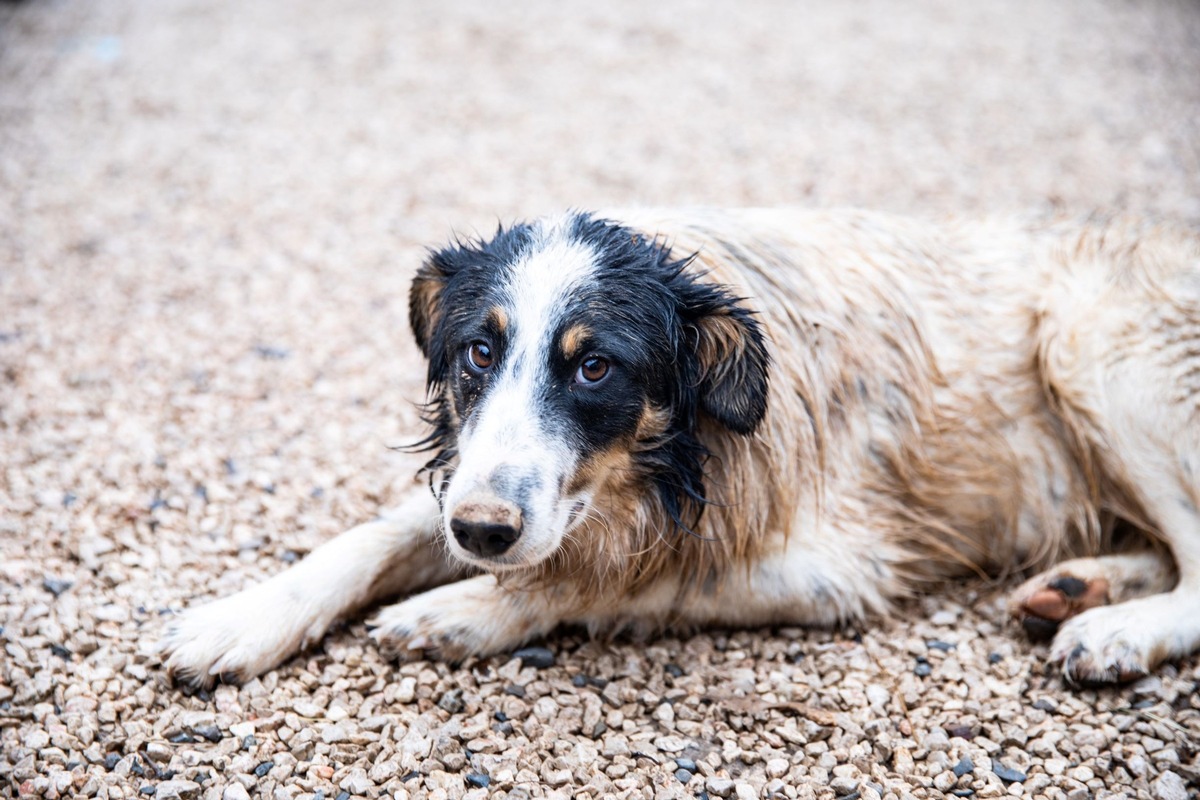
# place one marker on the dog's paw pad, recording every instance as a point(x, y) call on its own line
point(1050, 601)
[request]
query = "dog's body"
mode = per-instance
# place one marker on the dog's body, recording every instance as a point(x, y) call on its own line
point(817, 414)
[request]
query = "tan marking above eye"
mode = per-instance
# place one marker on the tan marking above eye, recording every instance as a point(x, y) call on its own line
point(499, 317)
point(572, 340)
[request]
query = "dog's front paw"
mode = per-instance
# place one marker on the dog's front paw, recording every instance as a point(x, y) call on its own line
point(474, 617)
point(233, 639)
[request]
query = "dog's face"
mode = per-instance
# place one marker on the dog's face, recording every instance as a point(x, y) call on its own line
point(567, 357)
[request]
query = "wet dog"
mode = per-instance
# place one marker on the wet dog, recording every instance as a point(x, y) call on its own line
point(738, 418)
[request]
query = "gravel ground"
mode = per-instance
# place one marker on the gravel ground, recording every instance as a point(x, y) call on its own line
point(209, 214)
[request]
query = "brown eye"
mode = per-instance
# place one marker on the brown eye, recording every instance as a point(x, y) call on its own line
point(480, 356)
point(591, 371)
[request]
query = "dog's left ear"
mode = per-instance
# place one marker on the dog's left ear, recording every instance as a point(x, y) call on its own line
point(425, 298)
point(732, 362)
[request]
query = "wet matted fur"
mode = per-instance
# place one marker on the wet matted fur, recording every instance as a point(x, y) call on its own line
point(653, 419)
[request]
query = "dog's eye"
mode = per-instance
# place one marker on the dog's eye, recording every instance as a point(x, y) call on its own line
point(591, 371)
point(480, 356)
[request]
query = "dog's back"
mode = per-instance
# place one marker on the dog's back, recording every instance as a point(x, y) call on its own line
point(927, 380)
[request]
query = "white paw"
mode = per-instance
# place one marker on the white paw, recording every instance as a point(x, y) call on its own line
point(236, 638)
point(1107, 645)
point(473, 617)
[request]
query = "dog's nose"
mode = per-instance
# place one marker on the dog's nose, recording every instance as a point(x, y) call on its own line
point(486, 525)
point(484, 539)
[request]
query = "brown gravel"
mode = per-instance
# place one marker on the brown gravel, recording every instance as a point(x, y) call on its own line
point(209, 212)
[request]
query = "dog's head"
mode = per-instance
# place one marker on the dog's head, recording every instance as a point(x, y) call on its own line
point(566, 358)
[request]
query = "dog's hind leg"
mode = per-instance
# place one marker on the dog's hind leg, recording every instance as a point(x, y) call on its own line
point(1122, 354)
point(243, 635)
point(1048, 599)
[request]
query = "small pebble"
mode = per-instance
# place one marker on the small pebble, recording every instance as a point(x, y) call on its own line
point(944, 618)
point(683, 775)
point(844, 786)
point(56, 586)
point(1007, 774)
point(452, 701)
point(721, 787)
point(686, 763)
point(478, 779)
point(210, 732)
point(964, 766)
point(674, 670)
point(263, 768)
point(923, 669)
point(271, 352)
point(536, 657)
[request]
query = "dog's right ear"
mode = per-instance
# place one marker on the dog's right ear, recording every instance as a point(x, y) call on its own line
point(425, 298)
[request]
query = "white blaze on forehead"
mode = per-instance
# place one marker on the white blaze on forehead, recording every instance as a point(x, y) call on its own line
point(541, 284)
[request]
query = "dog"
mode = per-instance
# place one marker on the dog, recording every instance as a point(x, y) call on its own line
point(658, 419)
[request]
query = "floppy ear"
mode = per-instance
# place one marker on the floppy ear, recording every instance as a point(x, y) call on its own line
point(733, 362)
point(425, 299)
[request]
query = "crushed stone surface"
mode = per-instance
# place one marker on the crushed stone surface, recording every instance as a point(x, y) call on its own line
point(209, 216)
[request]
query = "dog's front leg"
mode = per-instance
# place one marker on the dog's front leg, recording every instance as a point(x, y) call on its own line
point(244, 635)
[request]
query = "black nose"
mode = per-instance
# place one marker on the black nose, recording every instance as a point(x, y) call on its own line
point(484, 538)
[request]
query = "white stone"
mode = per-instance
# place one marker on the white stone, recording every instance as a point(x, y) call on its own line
point(1169, 786)
point(235, 791)
point(357, 782)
